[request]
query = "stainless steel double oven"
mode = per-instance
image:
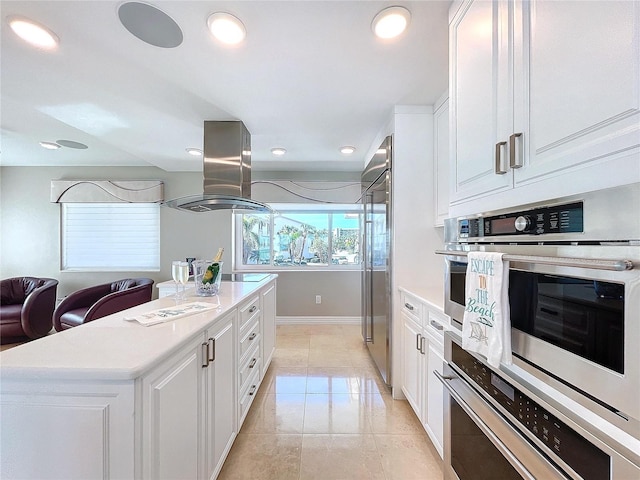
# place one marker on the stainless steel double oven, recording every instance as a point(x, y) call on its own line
point(569, 406)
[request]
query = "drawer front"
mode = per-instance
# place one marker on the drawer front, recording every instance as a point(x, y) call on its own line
point(249, 311)
point(412, 307)
point(247, 395)
point(249, 337)
point(250, 365)
point(437, 324)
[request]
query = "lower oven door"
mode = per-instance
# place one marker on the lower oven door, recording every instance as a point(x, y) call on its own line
point(480, 444)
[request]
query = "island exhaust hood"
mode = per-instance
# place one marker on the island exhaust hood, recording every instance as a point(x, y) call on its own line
point(226, 170)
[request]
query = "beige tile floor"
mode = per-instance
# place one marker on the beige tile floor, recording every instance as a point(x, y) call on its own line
point(323, 413)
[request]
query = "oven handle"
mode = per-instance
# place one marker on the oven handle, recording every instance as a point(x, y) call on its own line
point(485, 429)
point(596, 264)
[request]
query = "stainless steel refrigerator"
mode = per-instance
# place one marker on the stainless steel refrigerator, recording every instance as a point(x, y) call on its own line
point(376, 249)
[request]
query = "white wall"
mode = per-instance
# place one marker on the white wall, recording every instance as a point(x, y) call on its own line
point(30, 238)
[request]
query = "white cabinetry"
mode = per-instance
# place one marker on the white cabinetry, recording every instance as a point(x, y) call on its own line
point(189, 421)
point(157, 402)
point(172, 417)
point(545, 98)
point(60, 429)
point(422, 353)
point(412, 357)
point(250, 355)
point(218, 401)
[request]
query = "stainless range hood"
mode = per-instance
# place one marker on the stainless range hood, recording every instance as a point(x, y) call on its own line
point(226, 169)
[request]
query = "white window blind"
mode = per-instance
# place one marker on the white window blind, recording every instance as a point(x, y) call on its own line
point(111, 236)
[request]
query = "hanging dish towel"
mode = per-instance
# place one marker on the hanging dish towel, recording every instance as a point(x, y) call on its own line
point(486, 325)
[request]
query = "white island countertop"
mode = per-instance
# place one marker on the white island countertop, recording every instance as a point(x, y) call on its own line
point(111, 348)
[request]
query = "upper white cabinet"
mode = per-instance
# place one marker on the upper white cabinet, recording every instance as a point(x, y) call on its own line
point(543, 90)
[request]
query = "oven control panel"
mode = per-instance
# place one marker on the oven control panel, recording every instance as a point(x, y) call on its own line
point(581, 455)
point(566, 218)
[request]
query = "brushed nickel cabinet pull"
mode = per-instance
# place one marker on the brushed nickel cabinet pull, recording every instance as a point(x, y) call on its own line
point(253, 309)
point(409, 306)
point(422, 339)
point(205, 355)
point(436, 325)
point(498, 168)
point(418, 341)
point(252, 336)
point(212, 352)
point(253, 390)
point(515, 154)
point(253, 363)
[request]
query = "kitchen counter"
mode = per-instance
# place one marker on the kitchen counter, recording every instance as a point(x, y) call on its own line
point(434, 296)
point(111, 348)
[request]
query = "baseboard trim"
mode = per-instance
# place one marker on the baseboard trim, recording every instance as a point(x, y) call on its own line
point(317, 320)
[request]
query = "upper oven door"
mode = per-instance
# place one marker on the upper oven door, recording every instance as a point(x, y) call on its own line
point(572, 317)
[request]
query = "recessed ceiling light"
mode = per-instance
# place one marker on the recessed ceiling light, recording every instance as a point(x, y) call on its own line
point(33, 32)
point(226, 28)
point(49, 145)
point(391, 22)
point(347, 149)
point(278, 151)
point(196, 152)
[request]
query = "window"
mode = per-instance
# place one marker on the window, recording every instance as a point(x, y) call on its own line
point(299, 236)
point(111, 236)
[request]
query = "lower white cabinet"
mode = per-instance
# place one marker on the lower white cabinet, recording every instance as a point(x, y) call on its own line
point(172, 417)
point(218, 401)
point(189, 421)
point(422, 353)
point(413, 361)
point(434, 393)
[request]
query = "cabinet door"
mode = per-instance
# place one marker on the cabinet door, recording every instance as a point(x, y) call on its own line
point(435, 395)
point(220, 390)
point(171, 395)
point(577, 67)
point(411, 363)
point(481, 98)
point(269, 326)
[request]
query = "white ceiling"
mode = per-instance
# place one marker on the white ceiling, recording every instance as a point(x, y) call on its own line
point(309, 77)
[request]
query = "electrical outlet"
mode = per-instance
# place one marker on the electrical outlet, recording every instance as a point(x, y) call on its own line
point(318, 299)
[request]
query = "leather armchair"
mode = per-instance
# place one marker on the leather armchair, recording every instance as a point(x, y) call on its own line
point(26, 307)
point(99, 301)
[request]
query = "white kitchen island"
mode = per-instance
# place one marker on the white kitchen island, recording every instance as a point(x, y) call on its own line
point(113, 399)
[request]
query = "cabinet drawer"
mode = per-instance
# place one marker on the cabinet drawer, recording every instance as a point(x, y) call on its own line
point(247, 395)
point(249, 311)
point(412, 307)
point(250, 365)
point(437, 323)
point(249, 337)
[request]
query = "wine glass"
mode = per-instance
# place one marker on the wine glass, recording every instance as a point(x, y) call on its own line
point(176, 271)
point(183, 277)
